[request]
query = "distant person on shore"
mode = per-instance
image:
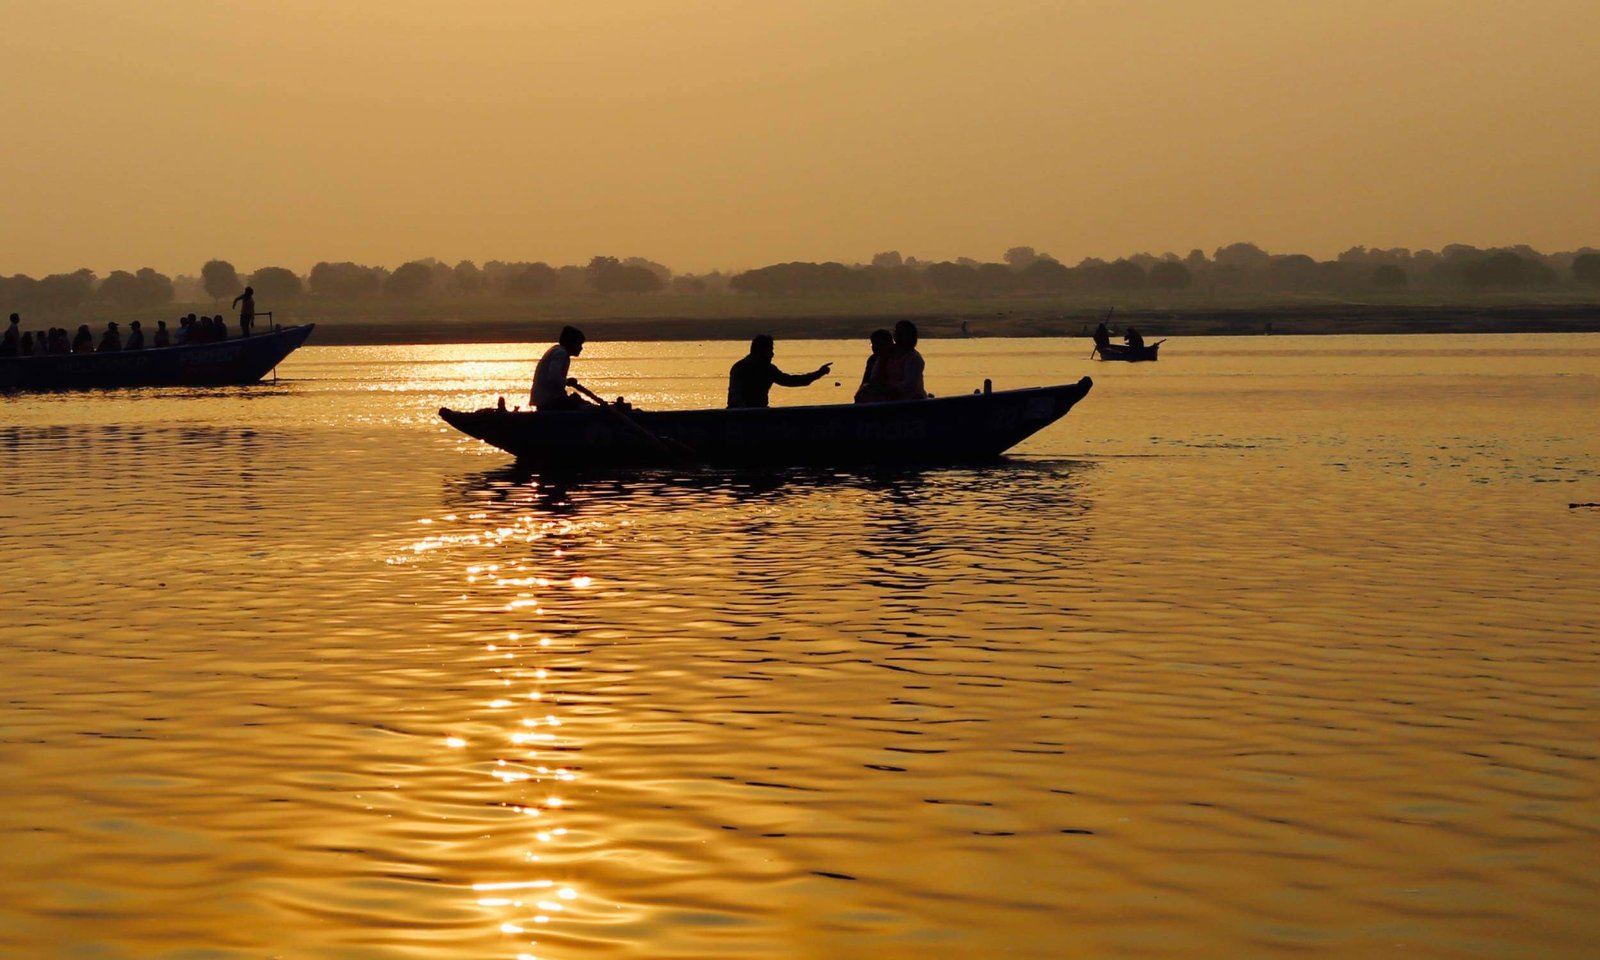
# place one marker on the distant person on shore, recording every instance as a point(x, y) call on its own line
point(875, 379)
point(111, 340)
point(162, 338)
point(12, 341)
point(906, 364)
point(83, 342)
point(135, 337)
point(550, 379)
point(1102, 336)
point(1132, 338)
point(246, 302)
point(751, 379)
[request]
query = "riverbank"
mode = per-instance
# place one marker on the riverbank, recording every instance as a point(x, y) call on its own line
point(1152, 323)
point(710, 317)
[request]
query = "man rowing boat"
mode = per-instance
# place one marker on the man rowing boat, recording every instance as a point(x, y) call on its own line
point(550, 379)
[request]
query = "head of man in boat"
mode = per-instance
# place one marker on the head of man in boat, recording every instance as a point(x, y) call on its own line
point(571, 340)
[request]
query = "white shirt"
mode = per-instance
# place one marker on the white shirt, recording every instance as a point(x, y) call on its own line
point(550, 377)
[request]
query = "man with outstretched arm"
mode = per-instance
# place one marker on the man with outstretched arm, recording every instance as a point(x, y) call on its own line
point(752, 378)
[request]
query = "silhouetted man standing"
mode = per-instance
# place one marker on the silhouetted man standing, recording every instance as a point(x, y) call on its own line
point(246, 302)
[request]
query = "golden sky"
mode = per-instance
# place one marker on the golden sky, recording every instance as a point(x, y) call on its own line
point(734, 134)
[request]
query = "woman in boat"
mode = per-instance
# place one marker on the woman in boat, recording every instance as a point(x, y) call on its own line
point(875, 379)
point(111, 340)
point(84, 341)
point(905, 364)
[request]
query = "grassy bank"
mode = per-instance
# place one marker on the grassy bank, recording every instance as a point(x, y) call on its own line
point(674, 317)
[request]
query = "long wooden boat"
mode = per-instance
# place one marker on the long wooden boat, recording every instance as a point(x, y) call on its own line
point(1113, 351)
point(972, 427)
point(220, 363)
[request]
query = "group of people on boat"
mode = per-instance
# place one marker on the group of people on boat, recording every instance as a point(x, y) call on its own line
point(16, 342)
point(893, 371)
point(1130, 336)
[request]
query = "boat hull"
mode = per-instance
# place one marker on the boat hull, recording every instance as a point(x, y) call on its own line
point(236, 361)
point(1131, 354)
point(973, 427)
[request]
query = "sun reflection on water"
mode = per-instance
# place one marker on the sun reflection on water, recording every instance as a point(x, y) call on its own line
point(530, 759)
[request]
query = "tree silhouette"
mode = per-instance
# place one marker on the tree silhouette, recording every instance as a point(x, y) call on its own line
point(221, 280)
point(1170, 275)
point(275, 283)
point(1586, 269)
point(409, 280)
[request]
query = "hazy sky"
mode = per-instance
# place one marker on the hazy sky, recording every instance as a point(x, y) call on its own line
point(734, 134)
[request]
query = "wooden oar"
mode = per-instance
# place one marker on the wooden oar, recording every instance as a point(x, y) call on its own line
point(666, 445)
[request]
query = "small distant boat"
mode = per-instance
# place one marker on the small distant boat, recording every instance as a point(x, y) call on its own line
point(1112, 351)
point(969, 427)
point(220, 363)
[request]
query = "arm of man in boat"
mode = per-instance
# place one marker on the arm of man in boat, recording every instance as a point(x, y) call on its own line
point(799, 379)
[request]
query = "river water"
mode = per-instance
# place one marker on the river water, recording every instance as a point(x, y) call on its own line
point(1278, 647)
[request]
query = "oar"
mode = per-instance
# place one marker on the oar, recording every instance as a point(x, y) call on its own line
point(666, 445)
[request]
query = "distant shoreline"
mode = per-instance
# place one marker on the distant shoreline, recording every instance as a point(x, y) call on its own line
point(1153, 323)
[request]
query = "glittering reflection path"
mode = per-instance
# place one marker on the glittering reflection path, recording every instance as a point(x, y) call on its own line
point(512, 563)
point(731, 714)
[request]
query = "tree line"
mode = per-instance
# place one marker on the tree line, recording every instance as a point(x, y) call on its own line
point(1239, 268)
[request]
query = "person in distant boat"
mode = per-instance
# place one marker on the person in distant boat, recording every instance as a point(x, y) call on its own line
point(162, 338)
point(875, 379)
point(1132, 338)
point(135, 337)
point(12, 341)
point(905, 364)
point(751, 379)
point(550, 379)
point(1102, 336)
point(83, 342)
point(111, 340)
point(246, 302)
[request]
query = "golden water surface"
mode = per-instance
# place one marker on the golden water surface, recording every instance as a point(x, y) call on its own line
point(1279, 647)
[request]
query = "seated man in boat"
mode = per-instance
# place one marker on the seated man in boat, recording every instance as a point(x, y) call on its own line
point(135, 337)
point(162, 338)
point(905, 364)
point(111, 340)
point(875, 379)
point(751, 379)
point(550, 380)
point(1133, 339)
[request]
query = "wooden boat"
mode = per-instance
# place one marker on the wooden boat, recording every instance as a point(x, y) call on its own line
point(223, 362)
point(1112, 351)
point(970, 427)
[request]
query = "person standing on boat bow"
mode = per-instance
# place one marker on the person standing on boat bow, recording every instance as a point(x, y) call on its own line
point(751, 379)
point(550, 380)
point(246, 302)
